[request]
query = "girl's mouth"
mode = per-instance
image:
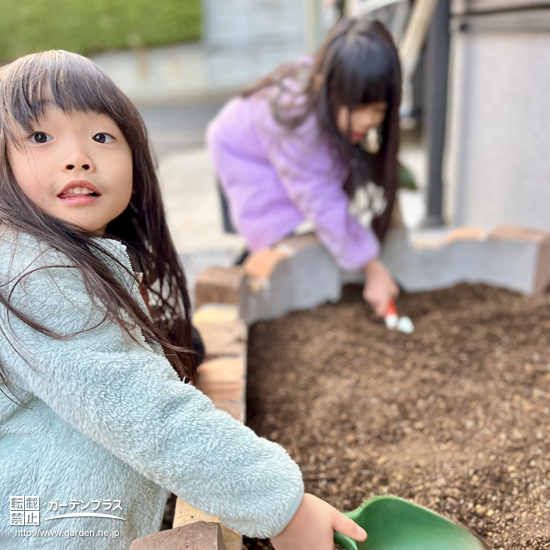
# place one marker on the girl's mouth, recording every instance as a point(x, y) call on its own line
point(79, 196)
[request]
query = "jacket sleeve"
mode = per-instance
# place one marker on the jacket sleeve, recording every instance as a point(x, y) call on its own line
point(313, 179)
point(127, 398)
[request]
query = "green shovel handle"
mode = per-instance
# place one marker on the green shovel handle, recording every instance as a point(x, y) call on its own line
point(344, 541)
point(393, 522)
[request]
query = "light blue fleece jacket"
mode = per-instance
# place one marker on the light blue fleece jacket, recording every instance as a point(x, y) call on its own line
point(106, 418)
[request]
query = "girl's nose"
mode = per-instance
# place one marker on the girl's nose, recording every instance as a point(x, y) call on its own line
point(72, 166)
point(77, 159)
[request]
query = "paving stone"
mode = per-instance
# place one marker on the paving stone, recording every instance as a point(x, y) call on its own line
point(223, 379)
point(215, 313)
point(220, 285)
point(223, 338)
point(201, 535)
point(188, 515)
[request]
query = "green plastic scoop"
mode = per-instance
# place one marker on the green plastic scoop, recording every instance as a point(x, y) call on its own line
point(392, 523)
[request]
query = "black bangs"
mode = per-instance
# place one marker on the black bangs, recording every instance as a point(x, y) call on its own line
point(363, 70)
point(68, 81)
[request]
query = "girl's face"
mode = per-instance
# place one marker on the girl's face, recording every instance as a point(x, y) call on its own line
point(361, 119)
point(74, 166)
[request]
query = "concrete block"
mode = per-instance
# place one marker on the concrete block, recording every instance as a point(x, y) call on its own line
point(540, 238)
point(315, 276)
point(188, 515)
point(261, 264)
point(518, 264)
point(425, 238)
point(293, 245)
point(269, 298)
point(223, 338)
point(513, 233)
point(197, 536)
point(220, 285)
point(303, 276)
point(223, 379)
point(542, 277)
point(465, 234)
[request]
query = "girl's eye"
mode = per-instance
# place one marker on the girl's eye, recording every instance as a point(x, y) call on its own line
point(40, 137)
point(103, 138)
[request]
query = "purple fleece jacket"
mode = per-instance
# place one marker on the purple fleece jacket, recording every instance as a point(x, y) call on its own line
point(274, 179)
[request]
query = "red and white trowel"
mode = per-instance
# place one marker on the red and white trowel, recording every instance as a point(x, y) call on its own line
point(394, 322)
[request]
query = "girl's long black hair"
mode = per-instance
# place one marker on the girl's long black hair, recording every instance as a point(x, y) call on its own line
point(357, 64)
point(75, 84)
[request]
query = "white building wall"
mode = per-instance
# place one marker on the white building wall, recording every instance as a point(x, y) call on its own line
point(498, 147)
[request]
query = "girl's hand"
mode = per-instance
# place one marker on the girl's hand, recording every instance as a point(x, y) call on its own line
point(380, 288)
point(312, 527)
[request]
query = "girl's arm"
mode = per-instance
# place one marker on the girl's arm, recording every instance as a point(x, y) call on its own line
point(380, 288)
point(313, 179)
point(127, 398)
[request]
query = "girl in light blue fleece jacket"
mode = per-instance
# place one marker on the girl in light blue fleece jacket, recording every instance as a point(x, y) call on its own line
point(96, 424)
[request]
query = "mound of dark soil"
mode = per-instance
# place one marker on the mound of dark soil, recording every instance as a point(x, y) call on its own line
point(454, 416)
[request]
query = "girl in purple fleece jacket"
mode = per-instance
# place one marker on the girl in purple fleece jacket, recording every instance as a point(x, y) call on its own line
point(291, 149)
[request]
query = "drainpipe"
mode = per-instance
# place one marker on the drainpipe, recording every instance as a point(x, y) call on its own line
point(437, 63)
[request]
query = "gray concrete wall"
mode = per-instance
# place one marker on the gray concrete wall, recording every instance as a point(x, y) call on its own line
point(264, 24)
point(245, 39)
point(242, 41)
point(498, 147)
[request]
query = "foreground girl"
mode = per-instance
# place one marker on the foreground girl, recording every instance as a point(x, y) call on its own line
point(92, 407)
